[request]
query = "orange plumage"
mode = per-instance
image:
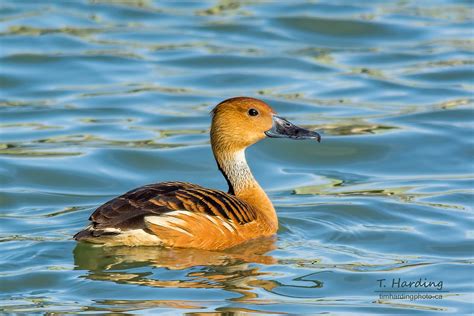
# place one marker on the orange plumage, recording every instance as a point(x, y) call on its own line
point(178, 214)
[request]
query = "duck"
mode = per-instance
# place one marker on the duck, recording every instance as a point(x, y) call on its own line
point(184, 215)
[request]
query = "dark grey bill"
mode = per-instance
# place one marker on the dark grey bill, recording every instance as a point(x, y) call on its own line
point(282, 128)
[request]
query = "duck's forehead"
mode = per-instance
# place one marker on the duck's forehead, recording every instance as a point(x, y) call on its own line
point(245, 103)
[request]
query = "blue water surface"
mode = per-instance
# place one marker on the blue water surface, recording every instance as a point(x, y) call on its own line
point(100, 96)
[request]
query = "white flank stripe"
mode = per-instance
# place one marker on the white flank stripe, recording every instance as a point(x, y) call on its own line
point(112, 230)
point(169, 221)
point(228, 226)
point(212, 219)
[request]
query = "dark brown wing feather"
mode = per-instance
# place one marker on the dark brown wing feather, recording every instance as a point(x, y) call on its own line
point(127, 211)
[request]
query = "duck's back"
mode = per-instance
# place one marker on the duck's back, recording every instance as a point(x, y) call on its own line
point(175, 214)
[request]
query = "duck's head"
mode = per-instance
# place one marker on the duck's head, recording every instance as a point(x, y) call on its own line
point(242, 121)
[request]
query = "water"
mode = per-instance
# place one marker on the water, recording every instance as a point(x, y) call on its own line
point(98, 97)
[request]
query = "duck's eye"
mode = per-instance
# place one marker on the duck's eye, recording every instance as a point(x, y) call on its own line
point(253, 112)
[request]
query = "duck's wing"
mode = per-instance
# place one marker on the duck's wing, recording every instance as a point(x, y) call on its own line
point(158, 201)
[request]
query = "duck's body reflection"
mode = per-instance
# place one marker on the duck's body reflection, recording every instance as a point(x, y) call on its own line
point(229, 270)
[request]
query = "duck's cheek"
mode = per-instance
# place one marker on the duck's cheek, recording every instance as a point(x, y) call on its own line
point(256, 137)
point(243, 141)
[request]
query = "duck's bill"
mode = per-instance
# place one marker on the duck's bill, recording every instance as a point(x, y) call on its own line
point(282, 128)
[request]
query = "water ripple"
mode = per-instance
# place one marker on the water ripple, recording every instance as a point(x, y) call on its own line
point(98, 97)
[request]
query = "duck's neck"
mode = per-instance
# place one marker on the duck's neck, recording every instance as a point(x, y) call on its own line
point(242, 184)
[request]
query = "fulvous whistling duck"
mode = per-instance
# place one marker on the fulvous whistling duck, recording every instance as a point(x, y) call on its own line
point(180, 214)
